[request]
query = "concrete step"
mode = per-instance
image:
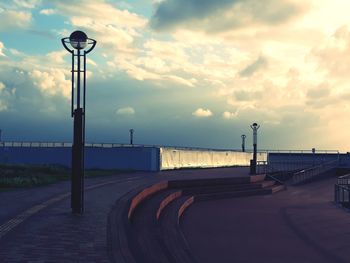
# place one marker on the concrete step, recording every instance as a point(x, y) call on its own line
point(257, 178)
point(226, 188)
point(232, 194)
point(144, 229)
point(173, 238)
point(216, 181)
point(278, 188)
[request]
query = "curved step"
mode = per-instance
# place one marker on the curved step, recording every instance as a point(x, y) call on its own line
point(173, 238)
point(226, 188)
point(144, 229)
point(231, 194)
point(216, 181)
point(166, 201)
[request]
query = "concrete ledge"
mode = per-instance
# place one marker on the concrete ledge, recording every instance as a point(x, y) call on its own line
point(167, 201)
point(184, 206)
point(257, 178)
point(147, 192)
point(131, 240)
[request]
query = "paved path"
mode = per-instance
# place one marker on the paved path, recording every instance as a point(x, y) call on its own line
point(36, 224)
point(298, 225)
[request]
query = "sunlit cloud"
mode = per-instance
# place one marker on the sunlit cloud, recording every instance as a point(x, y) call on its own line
point(202, 113)
point(52, 82)
point(27, 3)
point(47, 12)
point(282, 63)
point(229, 115)
point(2, 47)
point(125, 111)
point(12, 19)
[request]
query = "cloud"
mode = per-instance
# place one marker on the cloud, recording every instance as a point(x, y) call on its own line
point(5, 96)
point(10, 19)
point(224, 15)
point(47, 12)
point(229, 115)
point(125, 111)
point(118, 32)
point(248, 71)
point(2, 47)
point(202, 113)
point(57, 57)
point(319, 92)
point(330, 54)
point(27, 3)
point(52, 82)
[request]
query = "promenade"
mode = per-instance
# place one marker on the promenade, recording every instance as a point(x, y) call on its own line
point(297, 225)
point(50, 233)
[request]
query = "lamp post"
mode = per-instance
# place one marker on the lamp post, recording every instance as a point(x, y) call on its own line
point(81, 45)
point(243, 136)
point(131, 136)
point(253, 162)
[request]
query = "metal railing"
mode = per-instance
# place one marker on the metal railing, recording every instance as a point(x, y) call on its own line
point(344, 179)
point(310, 173)
point(342, 194)
point(261, 167)
point(66, 144)
point(288, 166)
point(302, 151)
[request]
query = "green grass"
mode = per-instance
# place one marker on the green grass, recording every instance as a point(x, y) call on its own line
point(12, 176)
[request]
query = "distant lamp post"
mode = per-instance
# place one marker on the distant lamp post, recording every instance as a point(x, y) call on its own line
point(313, 150)
point(243, 136)
point(253, 162)
point(78, 41)
point(131, 136)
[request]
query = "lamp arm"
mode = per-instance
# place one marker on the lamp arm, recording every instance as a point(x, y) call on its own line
point(92, 46)
point(63, 40)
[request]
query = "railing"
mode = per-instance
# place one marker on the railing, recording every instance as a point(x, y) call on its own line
point(108, 145)
point(288, 166)
point(344, 179)
point(66, 144)
point(312, 172)
point(342, 194)
point(261, 167)
point(111, 145)
point(302, 151)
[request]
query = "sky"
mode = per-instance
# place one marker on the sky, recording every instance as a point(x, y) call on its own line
point(193, 73)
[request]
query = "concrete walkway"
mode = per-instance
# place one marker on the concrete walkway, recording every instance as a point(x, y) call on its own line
point(36, 224)
point(298, 225)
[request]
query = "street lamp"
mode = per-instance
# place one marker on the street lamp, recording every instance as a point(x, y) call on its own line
point(253, 162)
point(243, 136)
point(131, 136)
point(78, 41)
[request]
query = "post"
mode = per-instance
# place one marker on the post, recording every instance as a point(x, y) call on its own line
point(77, 201)
point(131, 136)
point(243, 142)
point(78, 40)
point(253, 162)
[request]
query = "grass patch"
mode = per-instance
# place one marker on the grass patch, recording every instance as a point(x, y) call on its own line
point(13, 176)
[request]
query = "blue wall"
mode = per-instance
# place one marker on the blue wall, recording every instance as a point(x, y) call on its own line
point(135, 158)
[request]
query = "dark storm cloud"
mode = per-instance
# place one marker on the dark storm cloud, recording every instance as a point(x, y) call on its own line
point(215, 16)
point(172, 12)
